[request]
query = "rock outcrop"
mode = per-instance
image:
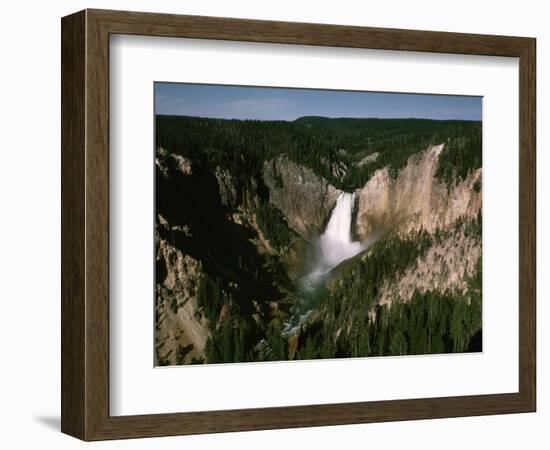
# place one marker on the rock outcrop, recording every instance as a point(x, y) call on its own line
point(165, 161)
point(305, 198)
point(181, 330)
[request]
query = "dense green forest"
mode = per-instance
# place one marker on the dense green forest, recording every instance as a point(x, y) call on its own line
point(321, 144)
point(431, 322)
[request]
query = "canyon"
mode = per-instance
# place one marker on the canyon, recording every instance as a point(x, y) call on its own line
point(276, 282)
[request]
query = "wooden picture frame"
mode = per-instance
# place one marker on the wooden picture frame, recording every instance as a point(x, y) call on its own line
point(85, 224)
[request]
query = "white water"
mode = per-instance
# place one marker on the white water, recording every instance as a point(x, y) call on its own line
point(335, 246)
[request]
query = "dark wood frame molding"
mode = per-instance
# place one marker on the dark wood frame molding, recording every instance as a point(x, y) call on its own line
point(85, 224)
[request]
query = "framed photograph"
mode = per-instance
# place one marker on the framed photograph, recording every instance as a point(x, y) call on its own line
point(273, 225)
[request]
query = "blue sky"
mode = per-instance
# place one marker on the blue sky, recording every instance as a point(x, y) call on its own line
point(260, 103)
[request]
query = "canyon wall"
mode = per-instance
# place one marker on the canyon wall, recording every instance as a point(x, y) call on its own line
point(304, 198)
point(415, 199)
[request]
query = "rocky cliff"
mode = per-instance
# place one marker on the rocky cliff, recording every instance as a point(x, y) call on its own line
point(181, 330)
point(304, 198)
point(415, 199)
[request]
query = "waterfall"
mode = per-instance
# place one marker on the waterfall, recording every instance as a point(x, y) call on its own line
point(335, 246)
point(335, 243)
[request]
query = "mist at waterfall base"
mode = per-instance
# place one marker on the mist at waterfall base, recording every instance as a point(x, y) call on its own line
point(330, 249)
